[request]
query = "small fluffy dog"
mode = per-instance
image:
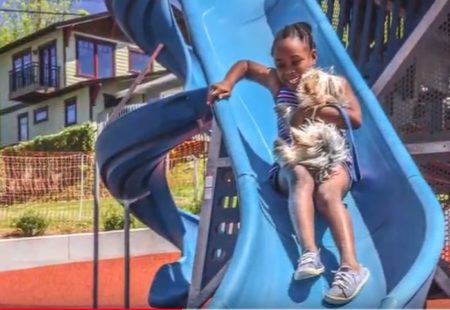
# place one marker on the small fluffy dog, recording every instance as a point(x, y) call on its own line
point(318, 146)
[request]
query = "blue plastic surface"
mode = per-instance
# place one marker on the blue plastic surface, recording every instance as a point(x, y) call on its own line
point(398, 223)
point(130, 154)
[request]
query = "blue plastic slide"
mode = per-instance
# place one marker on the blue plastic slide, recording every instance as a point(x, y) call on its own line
point(130, 154)
point(398, 223)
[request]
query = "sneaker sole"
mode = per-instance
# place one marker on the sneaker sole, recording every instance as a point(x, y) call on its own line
point(308, 273)
point(340, 301)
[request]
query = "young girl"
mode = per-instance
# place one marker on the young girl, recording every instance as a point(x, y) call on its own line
point(294, 53)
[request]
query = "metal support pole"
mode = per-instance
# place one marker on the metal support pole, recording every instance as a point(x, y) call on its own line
point(96, 219)
point(195, 179)
point(127, 255)
point(126, 228)
point(80, 209)
point(96, 222)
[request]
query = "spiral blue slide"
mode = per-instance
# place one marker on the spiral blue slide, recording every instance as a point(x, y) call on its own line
point(398, 223)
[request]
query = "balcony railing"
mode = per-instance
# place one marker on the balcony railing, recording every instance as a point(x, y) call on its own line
point(33, 78)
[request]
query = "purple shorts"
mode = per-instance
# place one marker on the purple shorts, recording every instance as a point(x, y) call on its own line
point(275, 170)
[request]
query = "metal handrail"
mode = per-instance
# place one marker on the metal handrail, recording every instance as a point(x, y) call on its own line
point(34, 74)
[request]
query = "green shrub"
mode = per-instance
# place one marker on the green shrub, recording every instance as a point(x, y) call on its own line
point(80, 138)
point(115, 220)
point(193, 208)
point(31, 224)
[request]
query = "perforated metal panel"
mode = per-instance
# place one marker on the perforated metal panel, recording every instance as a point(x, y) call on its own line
point(418, 98)
point(224, 223)
point(415, 95)
point(219, 223)
point(373, 31)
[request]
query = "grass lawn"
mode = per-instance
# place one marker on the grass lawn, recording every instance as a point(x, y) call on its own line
point(63, 217)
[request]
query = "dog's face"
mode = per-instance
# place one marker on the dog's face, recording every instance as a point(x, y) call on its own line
point(309, 83)
point(318, 88)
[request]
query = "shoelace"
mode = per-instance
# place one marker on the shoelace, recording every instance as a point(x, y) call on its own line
point(342, 279)
point(308, 257)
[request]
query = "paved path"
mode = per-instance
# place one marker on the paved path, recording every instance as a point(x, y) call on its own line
point(70, 285)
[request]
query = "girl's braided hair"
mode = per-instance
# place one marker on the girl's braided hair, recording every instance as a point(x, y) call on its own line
point(300, 30)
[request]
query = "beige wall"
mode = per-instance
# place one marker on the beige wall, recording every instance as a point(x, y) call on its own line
point(121, 58)
point(110, 88)
point(56, 117)
point(56, 109)
point(8, 122)
point(68, 72)
point(113, 87)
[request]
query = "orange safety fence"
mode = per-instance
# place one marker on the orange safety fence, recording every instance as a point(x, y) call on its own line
point(446, 251)
point(45, 177)
point(52, 176)
point(59, 186)
point(182, 153)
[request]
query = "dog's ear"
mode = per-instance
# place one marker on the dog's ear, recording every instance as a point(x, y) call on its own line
point(331, 87)
point(310, 85)
point(278, 143)
point(285, 111)
point(296, 135)
point(280, 109)
point(283, 152)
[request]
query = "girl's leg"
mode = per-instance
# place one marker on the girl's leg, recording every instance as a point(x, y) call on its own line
point(351, 276)
point(328, 198)
point(298, 183)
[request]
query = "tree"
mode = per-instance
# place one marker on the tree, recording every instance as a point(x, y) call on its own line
point(32, 16)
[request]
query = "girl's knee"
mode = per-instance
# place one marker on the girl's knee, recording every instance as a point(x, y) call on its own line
point(301, 173)
point(300, 176)
point(325, 198)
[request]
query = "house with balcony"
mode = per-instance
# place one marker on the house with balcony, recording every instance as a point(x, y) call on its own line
point(69, 73)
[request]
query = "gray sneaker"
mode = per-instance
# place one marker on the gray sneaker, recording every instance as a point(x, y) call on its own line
point(346, 285)
point(309, 265)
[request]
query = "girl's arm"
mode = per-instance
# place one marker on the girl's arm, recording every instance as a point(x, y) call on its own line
point(331, 115)
point(244, 68)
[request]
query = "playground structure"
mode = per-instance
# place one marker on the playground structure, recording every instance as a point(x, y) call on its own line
point(229, 255)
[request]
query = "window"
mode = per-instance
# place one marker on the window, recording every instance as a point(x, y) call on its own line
point(22, 70)
point(70, 111)
point(41, 115)
point(137, 60)
point(22, 60)
point(86, 57)
point(105, 65)
point(47, 65)
point(110, 101)
point(22, 121)
point(95, 59)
